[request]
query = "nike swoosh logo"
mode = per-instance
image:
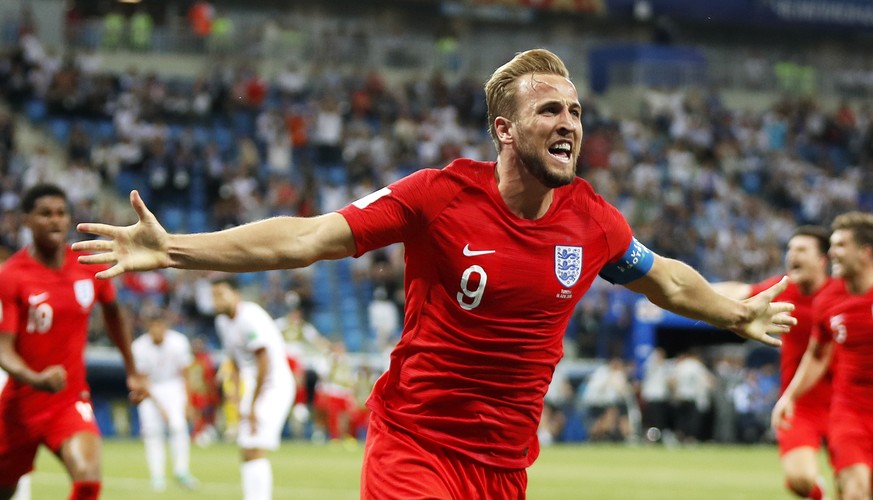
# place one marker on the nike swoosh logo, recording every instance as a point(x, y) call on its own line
point(473, 253)
point(36, 299)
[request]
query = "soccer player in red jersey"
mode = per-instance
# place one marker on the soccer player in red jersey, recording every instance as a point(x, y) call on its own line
point(843, 331)
point(806, 263)
point(497, 256)
point(46, 298)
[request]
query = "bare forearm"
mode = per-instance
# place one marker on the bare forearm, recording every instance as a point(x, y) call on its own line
point(677, 287)
point(276, 243)
point(733, 289)
point(812, 367)
point(12, 363)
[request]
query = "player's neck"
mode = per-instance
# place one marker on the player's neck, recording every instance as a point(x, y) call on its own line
point(861, 283)
point(812, 286)
point(49, 257)
point(524, 196)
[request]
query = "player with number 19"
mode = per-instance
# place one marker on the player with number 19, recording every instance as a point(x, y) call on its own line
point(47, 297)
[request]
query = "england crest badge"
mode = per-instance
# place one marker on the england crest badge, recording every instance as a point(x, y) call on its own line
point(568, 264)
point(84, 290)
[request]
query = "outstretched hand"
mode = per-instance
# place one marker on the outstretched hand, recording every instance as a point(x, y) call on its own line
point(767, 318)
point(140, 247)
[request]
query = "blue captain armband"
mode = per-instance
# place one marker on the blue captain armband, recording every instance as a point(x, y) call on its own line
point(634, 264)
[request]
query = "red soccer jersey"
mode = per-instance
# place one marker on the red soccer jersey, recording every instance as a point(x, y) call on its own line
point(794, 343)
point(48, 311)
point(488, 297)
point(847, 320)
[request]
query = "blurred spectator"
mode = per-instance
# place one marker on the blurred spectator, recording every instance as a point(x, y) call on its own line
point(200, 16)
point(114, 27)
point(204, 395)
point(384, 320)
point(141, 27)
point(655, 395)
point(308, 351)
point(692, 384)
point(606, 397)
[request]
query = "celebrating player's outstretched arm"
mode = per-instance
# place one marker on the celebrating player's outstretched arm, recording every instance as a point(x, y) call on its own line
point(675, 286)
point(276, 243)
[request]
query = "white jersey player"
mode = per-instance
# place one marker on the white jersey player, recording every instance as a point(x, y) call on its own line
point(250, 338)
point(164, 356)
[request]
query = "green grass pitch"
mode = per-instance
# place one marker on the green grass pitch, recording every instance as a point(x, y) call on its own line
point(304, 471)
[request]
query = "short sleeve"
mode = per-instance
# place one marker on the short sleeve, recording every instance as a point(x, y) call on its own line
point(391, 214)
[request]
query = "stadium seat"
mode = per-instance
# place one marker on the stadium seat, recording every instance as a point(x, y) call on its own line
point(35, 110)
point(59, 128)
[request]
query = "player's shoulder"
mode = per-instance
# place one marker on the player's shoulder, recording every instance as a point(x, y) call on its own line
point(140, 341)
point(178, 337)
point(465, 167)
point(252, 312)
point(831, 286)
point(459, 174)
point(833, 292)
point(15, 262)
point(583, 196)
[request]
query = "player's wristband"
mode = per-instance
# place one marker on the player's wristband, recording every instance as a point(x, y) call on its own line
point(634, 264)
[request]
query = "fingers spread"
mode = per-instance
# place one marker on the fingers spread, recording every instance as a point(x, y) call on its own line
point(784, 319)
point(110, 273)
point(97, 228)
point(781, 307)
point(776, 289)
point(770, 341)
point(92, 246)
point(139, 206)
point(98, 258)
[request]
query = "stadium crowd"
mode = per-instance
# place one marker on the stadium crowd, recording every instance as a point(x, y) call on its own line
point(232, 147)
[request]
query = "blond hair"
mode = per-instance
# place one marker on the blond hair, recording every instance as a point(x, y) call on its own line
point(859, 223)
point(500, 89)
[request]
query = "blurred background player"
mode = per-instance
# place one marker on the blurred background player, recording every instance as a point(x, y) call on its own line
point(164, 356)
point(23, 490)
point(250, 338)
point(806, 263)
point(308, 351)
point(203, 393)
point(47, 298)
point(843, 330)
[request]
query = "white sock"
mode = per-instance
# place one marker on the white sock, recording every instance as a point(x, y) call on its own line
point(22, 492)
point(156, 456)
point(180, 446)
point(257, 479)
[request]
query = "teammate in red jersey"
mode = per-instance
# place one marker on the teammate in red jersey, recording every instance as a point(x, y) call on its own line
point(46, 297)
point(843, 330)
point(497, 256)
point(806, 263)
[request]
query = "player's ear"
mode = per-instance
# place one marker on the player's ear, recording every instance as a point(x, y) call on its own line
point(503, 129)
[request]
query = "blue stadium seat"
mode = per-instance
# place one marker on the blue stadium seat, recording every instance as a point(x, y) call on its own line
point(104, 129)
point(59, 128)
point(173, 219)
point(224, 138)
point(198, 221)
point(35, 110)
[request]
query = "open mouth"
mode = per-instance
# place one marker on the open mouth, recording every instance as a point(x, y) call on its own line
point(561, 150)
